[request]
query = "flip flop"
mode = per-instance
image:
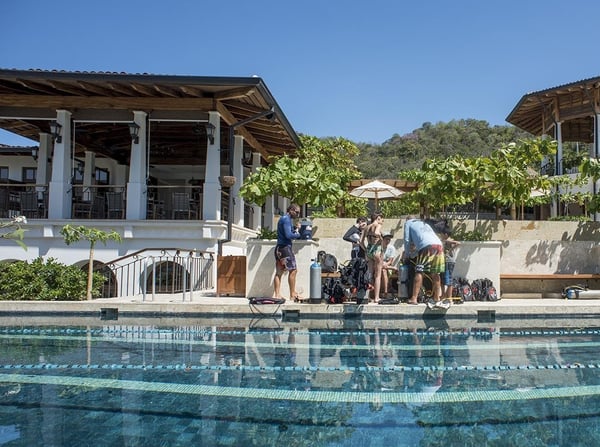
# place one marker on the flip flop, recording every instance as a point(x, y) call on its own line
point(412, 304)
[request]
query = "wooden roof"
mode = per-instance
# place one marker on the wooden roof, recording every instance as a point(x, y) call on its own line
point(574, 104)
point(101, 102)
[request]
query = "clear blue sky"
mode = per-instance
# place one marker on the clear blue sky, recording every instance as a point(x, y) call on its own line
point(360, 70)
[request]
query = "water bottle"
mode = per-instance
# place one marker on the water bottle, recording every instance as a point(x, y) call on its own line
point(315, 282)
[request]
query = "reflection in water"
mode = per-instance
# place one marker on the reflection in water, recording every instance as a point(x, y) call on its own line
point(273, 383)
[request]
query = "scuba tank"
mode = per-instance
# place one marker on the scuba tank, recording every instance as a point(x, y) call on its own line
point(315, 282)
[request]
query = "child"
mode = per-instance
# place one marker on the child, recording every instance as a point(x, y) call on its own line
point(449, 253)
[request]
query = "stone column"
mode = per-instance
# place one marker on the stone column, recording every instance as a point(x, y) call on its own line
point(60, 191)
point(238, 173)
point(211, 203)
point(257, 210)
point(136, 187)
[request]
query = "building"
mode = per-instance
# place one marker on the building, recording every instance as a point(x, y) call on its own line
point(158, 158)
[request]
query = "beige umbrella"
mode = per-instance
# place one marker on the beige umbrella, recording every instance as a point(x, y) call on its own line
point(376, 190)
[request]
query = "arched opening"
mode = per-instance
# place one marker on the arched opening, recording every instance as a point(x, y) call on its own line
point(168, 277)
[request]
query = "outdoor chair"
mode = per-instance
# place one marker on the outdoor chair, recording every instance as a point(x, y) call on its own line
point(181, 207)
point(115, 208)
point(29, 204)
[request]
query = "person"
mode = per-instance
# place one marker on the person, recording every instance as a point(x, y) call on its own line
point(353, 235)
point(285, 260)
point(388, 267)
point(371, 242)
point(430, 258)
point(450, 257)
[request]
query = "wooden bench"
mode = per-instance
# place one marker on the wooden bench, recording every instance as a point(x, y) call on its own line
point(546, 276)
point(541, 285)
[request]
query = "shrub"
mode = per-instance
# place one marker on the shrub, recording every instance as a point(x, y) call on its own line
point(44, 281)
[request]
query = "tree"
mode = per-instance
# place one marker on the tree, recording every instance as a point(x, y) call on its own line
point(318, 174)
point(73, 234)
point(506, 177)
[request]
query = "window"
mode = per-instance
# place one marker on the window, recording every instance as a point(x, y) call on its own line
point(3, 174)
point(102, 176)
point(29, 175)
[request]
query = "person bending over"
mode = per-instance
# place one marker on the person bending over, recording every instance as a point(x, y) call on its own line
point(430, 257)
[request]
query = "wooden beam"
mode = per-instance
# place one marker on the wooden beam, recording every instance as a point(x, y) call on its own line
point(100, 102)
point(230, 120)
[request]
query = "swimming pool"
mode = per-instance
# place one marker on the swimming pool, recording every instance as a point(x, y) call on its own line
point(285, 384)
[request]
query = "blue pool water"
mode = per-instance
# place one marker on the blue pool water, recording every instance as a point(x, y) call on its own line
point(289, 385)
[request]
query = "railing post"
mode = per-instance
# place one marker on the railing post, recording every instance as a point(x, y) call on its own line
point(145, 284)
point(153, 278)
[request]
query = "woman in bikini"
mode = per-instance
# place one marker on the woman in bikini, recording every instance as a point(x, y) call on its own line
point(374, 252)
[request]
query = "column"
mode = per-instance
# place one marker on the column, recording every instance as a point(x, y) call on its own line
point(211, 203)
point(269, 213)
point(238, 173)
point(89, 171)
point(257, 210)
point(60, 192)
point(42, 165)
point(136, 187)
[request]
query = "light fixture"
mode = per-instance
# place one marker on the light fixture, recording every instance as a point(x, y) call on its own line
point(55, 131)
point(247, 158)
point(210, 132)
point(34, 153)
point(134, 131)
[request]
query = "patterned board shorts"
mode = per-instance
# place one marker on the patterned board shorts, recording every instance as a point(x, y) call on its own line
point(285, 258)
point(431, 260)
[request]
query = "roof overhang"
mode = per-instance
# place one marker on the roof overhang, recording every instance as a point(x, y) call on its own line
point(574, 105)
point(29, 100)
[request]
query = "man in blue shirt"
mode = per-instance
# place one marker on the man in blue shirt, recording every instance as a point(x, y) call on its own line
point(420, 238)
point(285, 260)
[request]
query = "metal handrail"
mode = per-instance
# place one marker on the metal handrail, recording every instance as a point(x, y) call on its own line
point(158, 270)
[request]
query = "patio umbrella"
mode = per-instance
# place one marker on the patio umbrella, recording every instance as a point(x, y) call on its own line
point(376, 190)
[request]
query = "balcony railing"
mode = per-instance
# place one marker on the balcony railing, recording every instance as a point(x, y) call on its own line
point(23, 199)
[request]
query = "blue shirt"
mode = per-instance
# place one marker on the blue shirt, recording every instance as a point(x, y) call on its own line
point(420, 234)
point(285, 230)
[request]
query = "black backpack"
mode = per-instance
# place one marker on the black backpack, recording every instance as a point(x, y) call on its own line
point(483, 290)
point(333, 291)
point(328, 262)
point(462, 289)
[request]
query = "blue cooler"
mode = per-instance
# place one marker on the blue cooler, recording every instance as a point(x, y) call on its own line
point(306, 229)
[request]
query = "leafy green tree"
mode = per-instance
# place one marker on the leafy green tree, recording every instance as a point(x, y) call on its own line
point(73, 234)
point(317, 174)
point(590, 169)
point(506, 177)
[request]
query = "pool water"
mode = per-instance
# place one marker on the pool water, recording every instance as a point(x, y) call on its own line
point(129, 385)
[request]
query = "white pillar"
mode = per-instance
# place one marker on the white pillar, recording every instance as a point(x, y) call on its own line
point(136, 187)
point(596, 154)
point(60, 190)
point(257, 210)
point(211, 203)
point(42, 164)
point(89, 170)
point(238, 173)
point(559, 150)
point(269, 213)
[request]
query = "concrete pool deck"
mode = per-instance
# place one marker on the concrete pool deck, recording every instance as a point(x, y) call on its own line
point(213, 310)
